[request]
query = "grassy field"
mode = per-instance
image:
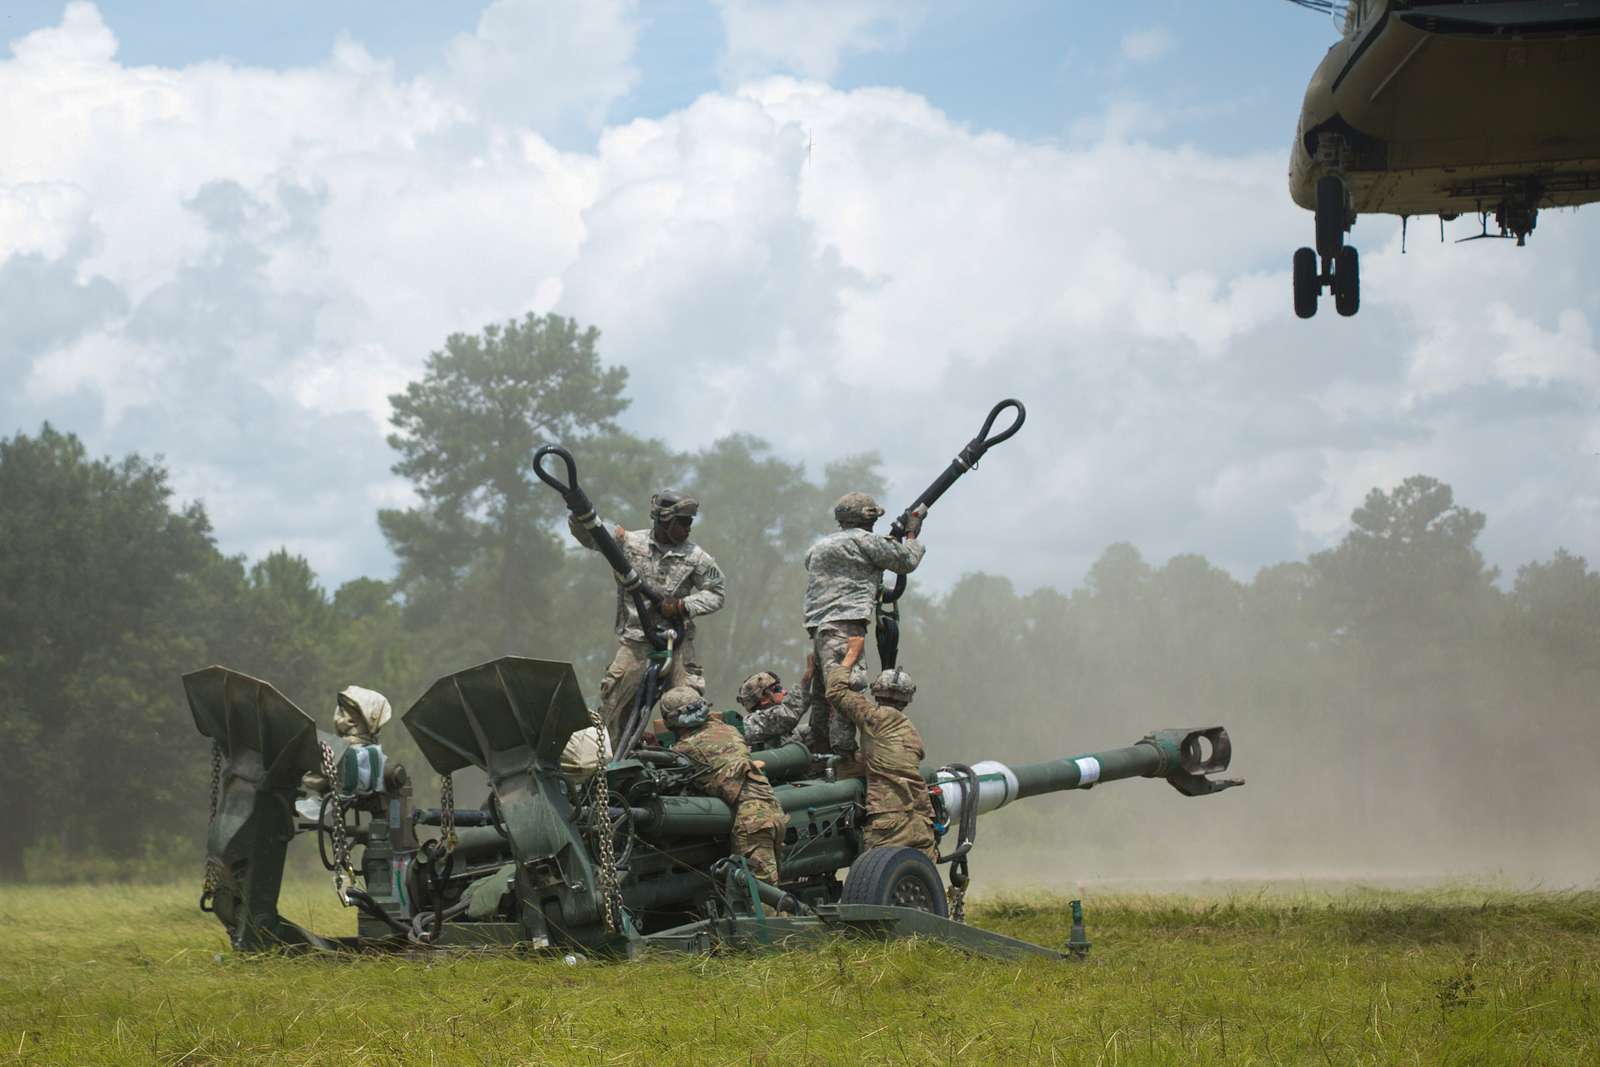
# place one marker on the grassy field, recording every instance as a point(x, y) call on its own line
point(137, 975)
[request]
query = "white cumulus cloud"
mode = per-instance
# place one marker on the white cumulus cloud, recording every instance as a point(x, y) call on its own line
point(810, 37)
point(544, 61)
point(234, 267)
point(1143, 46)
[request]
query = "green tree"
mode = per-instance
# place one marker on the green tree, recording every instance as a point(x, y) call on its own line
point(1409, 564)
point(93, 551)
point(1556, 608)
point(466, 434)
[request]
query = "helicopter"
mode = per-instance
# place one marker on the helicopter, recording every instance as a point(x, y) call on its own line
point(1443, 107)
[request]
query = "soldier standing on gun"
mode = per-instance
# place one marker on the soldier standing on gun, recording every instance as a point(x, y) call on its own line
point(689, 581)
point(758, 821)
point(898, 809)
point(844, 572)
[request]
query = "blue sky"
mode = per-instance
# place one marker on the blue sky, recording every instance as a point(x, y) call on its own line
point(226, 237)
point(1233, 74)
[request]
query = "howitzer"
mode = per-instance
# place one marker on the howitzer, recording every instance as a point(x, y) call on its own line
point(610, 861)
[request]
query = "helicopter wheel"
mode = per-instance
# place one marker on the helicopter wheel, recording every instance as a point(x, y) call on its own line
point(1307, 285)
point(1347, 281)
point(1330, 215)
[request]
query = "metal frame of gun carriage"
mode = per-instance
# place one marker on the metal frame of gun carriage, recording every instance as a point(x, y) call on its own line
point(622, 858)
point(526, 868)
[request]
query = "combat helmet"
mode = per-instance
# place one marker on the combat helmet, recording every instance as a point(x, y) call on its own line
point(894, 686)
point(857, 509)
point(360, 712)
point(683, 708)
point(751, 688)
point(669, 504)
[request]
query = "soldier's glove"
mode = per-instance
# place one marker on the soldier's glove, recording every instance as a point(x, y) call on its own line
point(673, 608)
point(914, 519)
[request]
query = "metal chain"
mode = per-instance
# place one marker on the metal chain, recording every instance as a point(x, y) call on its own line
point(960, 882)
point(216, 777)
point(341, 844)
point(602, 806)
point(208, 884)
point(447, 813)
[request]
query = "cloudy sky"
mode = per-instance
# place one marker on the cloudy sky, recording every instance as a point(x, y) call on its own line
point(228, 232)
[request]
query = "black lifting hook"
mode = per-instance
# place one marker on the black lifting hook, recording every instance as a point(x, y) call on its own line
point(569, 490)
point(965, 461)
point(888, 614)
point(983, 441)
point(583, 513)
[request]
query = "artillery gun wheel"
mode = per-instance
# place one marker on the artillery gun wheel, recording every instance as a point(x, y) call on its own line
point(897, 876)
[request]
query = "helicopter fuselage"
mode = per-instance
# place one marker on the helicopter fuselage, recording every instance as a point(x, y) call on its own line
point(1447, 108)
point(1443, 107)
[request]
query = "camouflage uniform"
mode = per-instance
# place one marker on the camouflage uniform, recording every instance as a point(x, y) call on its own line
point(758, 822)
point(358, 715)
point(775, 724)
point(686, 571)
point(898, 809)
point(845, 569)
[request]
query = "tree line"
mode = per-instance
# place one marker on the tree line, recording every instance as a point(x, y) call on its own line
point(1398, 649)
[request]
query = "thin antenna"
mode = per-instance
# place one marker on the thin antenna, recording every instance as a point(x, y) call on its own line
point(1403, 220)
point(1339, 11)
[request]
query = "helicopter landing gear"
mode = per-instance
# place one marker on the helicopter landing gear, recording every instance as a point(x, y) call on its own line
point(1307, 283)
point(1332, 263)
point(1347, 281)
point(1331, 216)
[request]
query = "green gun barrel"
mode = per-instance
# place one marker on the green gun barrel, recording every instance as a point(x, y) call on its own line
point(1187, 759)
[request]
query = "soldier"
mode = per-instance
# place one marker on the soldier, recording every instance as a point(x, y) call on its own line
point(772, 713)
point(358, 715)
point(898, 809)
point(758, 822)
point(844, 572)
point(684, 574)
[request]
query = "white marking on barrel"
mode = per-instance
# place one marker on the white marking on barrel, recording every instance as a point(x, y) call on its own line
point(997, 784)
point(1088, 770)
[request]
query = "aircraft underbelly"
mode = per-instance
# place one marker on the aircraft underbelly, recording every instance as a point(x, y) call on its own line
point(1440, 120)
point(1457, 190)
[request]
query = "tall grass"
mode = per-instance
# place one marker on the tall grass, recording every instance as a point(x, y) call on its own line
point(1463, 976)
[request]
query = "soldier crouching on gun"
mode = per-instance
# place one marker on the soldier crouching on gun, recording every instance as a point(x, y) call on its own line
point(358, 715)
point(688, 579)
point(898, 809)
point(758, 822)
point(844, 570)
point(772, 713)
